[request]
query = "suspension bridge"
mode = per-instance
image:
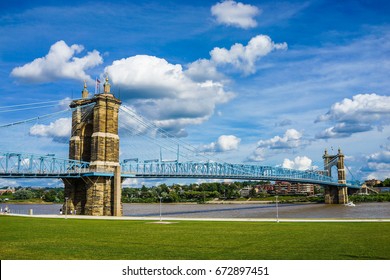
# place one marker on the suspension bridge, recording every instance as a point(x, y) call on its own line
point(93, 173)
point(23, 165)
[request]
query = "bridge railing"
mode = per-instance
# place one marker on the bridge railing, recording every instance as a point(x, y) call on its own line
point(21, 165)
point(156, 168)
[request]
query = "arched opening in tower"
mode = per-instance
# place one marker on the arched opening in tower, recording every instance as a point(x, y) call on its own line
point(87, 141)
point(334, 173)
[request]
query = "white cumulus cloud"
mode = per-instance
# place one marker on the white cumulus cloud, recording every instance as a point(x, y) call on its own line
point(361, 113)
point(224, 143)
point(59, 130)
point(149, 77)
point(299, 163)
point(341, 130)
point(239, 58)
point(59, 63)
point(244, 58)
point(235, 14)
point(380, 157)
point(363, 107)
point(259, 154)
point(164, 93)
point(378, 165)
point(291, 139)
point(175, 97)
point(204, 69)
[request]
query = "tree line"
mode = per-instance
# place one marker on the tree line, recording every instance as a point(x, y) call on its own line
point(55, 195)
point(175, 193)
point(189, 193)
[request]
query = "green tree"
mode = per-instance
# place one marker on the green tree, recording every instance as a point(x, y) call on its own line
point(252, 192)
point(173, 197)
point(60, 195)
point(39, 193)
point(50, 196)
point(386, 183)
point(23, 194)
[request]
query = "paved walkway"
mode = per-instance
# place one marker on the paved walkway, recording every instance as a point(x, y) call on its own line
point(168, 219)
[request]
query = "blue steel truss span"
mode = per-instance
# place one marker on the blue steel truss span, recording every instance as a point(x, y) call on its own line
point(215, 170)
point(21, 165)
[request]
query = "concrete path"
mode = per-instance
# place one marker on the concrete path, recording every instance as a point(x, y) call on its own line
point(164, 220)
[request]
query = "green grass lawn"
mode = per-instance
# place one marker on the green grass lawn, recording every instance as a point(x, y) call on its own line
point(46, 239)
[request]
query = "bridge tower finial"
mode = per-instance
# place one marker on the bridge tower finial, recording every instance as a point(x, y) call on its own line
point(85, 93)
point(107, 86)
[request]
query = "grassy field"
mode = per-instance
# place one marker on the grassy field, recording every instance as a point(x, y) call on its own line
point(46, 239)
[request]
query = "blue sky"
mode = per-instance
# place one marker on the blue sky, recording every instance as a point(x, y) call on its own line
point(267, 82)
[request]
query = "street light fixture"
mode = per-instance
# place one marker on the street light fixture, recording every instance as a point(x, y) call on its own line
point(160, 197)
point(277, 210)
point(66, 207)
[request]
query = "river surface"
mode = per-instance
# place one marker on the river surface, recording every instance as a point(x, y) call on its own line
point(362, 210)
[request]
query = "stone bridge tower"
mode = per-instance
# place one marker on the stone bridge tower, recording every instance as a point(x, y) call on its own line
point(335, 194)
point(95, 139)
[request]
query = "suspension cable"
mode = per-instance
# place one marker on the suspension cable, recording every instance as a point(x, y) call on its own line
point(27, 104)
point(165, 134)
point(41, 117)
point(353, 177)
point(35, 118)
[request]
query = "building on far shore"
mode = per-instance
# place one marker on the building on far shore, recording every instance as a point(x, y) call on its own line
point(371, 186)
point(280, 187)
point(290, 188)
point(7, 190)
point(373, 182)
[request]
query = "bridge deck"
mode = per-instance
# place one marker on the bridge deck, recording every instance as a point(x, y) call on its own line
point(18, 165)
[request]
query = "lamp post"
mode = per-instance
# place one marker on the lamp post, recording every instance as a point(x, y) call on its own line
point(66, 207)
point(160, 197)
point(277, 210)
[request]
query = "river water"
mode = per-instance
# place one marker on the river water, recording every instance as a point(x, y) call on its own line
point(362, 210)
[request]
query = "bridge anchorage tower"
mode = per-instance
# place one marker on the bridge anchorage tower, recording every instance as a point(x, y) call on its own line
point(335, 194)
point(95, 139)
